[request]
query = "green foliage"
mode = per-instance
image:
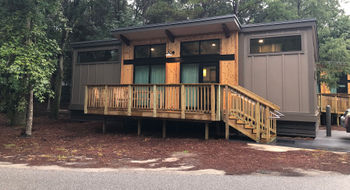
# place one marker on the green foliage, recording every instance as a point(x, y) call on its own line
point(26, 54)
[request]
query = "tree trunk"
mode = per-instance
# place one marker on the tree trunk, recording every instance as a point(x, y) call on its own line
point(29, 123)
point(58, 88)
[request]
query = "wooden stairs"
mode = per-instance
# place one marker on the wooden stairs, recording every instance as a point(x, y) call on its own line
point(249, 114)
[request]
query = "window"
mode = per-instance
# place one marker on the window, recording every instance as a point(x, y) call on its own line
point(275, 44)
point(149, 51)
point(199, 73)
point(98, 56)
point(203, 47)
point(343, 84)
point(149, 74)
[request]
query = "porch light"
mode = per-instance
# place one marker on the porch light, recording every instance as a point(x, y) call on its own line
point(152, 49)
point(204, 72)
point(170, 53)
point(261, 41)
point(213, 44)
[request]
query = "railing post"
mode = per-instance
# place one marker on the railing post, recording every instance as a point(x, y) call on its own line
point(257, 120)
point(212, 108)
point(267, 124)
point(218, 103)
point(154, 101)
point(86, 100)
point(129, 100)
point(226, 104)
point(183, 101)
point(105, 112)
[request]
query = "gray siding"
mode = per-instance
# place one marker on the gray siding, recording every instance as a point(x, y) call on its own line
point(92, 73)
point(287, 79)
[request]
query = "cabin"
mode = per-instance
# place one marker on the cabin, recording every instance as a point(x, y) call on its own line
point(258, 80)
point(338, 98)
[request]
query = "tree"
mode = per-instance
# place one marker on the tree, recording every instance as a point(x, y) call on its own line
point(26, 56)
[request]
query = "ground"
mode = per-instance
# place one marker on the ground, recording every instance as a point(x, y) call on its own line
point(81, 144)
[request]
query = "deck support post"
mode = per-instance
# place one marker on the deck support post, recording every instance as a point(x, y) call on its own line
point(212, 102)
point(206, 131)
point(154, 101)
point(226, 104)
point(85, 100)
point(183, 101)
point(164, 129)
point(129, 99)
point(104, 125)
point(138, 127)
point(105, 111)
point(267, 124)
point(257, 121)
point(227, 131)
point(218, 103)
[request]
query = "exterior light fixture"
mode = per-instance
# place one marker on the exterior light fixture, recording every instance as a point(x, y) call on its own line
point(213, 44)
point(170, 53)
point(204, 72)
point(261, 41)
point(152, 49)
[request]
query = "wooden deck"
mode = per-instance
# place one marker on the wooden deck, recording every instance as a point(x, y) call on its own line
point(338, 102)
point(239, 108)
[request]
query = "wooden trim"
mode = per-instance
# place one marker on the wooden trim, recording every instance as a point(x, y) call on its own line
point(170, 36)
point(226, 30)
point(125, 39)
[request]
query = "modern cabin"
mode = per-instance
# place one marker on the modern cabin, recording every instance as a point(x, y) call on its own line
point(256, 79)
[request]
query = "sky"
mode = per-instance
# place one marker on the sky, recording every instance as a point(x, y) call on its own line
point(345, 4)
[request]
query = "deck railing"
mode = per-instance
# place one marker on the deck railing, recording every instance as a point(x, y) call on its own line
point(251, 110)
point(208, 102)
point(160, 98)
point(339, 102)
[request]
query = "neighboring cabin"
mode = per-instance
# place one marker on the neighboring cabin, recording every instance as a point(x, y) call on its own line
point(211, 70)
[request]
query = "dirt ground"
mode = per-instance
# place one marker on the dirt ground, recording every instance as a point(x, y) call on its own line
point(81, 144)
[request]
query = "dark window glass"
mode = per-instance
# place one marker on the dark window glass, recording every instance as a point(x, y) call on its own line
point(210, 47)
point(275, 44)
point(142, 52)
point(190, 48)
point(147, 51)
point(98, 56)
point(158, 50)
point(343, 84)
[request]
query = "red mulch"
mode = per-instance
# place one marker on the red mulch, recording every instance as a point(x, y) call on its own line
point(81, 144)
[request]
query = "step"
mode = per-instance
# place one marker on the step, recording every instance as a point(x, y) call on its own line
point(240, 122)
point(248, 127)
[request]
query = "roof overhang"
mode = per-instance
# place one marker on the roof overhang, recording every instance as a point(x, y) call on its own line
point(95, 43)
point(220, 24)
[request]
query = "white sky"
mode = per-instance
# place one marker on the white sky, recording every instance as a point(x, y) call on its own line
point(345, 4)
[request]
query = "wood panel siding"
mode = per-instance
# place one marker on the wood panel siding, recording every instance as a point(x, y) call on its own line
point(91, 73)
point(228, 69)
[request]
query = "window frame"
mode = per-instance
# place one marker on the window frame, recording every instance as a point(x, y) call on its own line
point(98, 49)
point(78, 51)
point(199, 47)
point(200, 70)
point(149, 61)
point(287, 34)
point(150, 52)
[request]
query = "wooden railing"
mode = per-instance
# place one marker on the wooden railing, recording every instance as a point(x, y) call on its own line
point(175, 99)
point(338, 102)
point(206, 102)
point(251, 110)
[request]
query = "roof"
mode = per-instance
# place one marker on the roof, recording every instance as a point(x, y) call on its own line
point(278, 25)
point(180, 28)
point(95, 43)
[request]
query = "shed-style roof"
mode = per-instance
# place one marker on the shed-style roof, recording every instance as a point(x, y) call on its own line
point(182, 28)
point(280, 25)
point(95, 43)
